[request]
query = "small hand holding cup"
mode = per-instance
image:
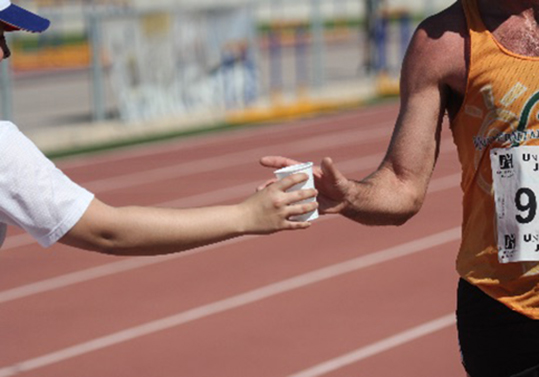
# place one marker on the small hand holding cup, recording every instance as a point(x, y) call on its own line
point(333, 186)
point(305, 168)
point(274, 206)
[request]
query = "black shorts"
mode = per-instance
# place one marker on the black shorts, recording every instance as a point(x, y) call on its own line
point(495, 341)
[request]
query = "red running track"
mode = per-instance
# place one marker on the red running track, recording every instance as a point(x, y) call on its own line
point(340, 299)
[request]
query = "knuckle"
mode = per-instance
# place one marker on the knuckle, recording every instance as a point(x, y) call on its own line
point(273, 191)
point(302, 177)
point(298, 226)
point(278, 202)
point(291, 225)
point(309, 193)
point(302, 194)
point(290, 181)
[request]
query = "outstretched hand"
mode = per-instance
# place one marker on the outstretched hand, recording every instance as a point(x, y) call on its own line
point(332, 185)
point(271, 208)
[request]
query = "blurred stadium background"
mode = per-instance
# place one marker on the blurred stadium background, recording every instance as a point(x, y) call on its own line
point(114, 71)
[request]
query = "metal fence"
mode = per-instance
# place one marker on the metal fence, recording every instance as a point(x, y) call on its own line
point(118, 63)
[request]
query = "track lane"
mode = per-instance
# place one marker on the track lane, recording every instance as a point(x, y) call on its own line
point(231, 139)
point(438, 184)
point(171, 323)
point(264, 251)
point(355, 167)
point(320, 320)
point(435, 354)
point(254, 264)
point(129, 159)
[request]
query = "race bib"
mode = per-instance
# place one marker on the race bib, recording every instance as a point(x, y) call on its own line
point(515, 174)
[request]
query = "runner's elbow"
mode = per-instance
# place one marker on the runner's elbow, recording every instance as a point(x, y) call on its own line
point(403, 217)
point(402, 196)
point(410, 206)
point(394, 207)
point(396, 215)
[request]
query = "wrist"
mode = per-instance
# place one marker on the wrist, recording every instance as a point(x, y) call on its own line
point(242, 218)
point(348, 205)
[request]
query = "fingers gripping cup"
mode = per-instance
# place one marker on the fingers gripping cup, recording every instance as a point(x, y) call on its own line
point(306, 168)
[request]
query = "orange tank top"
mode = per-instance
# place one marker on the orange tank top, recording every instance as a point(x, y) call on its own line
point(502, 98)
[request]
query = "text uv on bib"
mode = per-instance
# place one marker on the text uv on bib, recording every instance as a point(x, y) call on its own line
point(515, 175)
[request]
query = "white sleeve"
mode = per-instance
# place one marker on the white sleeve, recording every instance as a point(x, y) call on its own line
point(34, 194)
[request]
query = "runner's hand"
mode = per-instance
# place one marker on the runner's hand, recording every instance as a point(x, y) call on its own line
point(330, 182)
point(268, 211)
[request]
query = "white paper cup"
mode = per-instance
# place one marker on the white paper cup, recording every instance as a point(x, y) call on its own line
point(306, 168)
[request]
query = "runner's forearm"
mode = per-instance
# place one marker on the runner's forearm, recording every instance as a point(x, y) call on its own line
point(382, 199)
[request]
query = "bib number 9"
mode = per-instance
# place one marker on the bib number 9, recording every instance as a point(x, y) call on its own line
point(515, 180)
point(526, 203)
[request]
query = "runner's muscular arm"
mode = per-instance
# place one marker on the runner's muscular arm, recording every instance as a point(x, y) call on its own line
point(396, 190)
point(433, 79)
point(156, 231)
point(433, 73)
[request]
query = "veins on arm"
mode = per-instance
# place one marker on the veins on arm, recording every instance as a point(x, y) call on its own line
point(396, 190)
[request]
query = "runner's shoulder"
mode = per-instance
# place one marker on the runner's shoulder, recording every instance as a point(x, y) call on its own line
point(439, 42)
point(447, 27)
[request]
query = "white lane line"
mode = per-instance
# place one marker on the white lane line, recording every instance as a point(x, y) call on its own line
point(233, 136)
point(23, 239)
point(300, 281)
point(354, 165)
point(89, 274)
point(212, 197)
point(214, 163)
point(66, 280)
point(379, 347)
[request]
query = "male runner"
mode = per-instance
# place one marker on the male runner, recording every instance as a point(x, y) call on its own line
point(477, 61)
point(39, 198)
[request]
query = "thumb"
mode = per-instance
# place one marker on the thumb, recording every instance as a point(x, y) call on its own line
point(329, 169)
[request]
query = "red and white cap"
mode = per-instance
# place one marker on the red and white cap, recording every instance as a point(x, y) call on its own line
point(16, 18)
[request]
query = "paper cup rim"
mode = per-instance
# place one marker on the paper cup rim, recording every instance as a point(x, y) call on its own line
point(295, 168)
